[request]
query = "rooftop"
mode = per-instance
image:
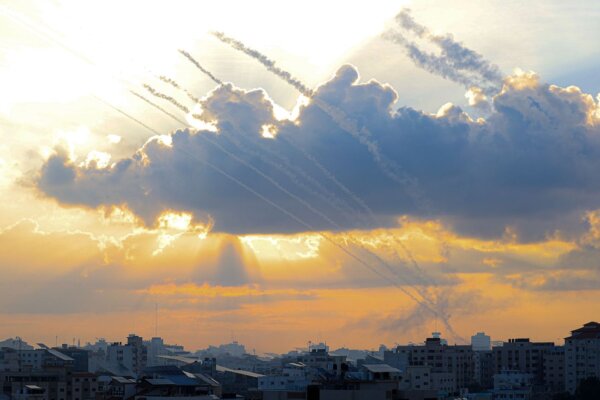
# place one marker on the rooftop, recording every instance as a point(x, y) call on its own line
point(591, 330)
point(381, 368)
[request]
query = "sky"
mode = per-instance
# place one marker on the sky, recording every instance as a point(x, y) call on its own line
point(351, 172)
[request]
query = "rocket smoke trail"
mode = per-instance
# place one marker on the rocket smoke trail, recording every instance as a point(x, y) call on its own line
point(423, 301)
point(173, 83)
point(146, 100)
point(200, 67)
point(131, 117)
point(266, 61)
point(163, 96)
point(389, 167)
point(293, 174)
point(265, 199)
point(329, 198)
point(461, 56)
point(456, 62)
point(299, 171)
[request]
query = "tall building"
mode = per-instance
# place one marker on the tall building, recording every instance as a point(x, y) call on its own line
point(481, 342)
point(455, 360)
point(554, 369)
point(582, 355)
point(126, 360)
point(524, 356)
point(139, 353)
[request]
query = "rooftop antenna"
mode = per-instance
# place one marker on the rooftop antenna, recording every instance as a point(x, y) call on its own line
point(155, 319)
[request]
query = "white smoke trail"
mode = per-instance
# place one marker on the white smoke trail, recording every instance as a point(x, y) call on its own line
point(389, 167)
point(150, 102)
point(168, 98)
point(294, 175)
point(272, 203)
point(419, 297)
point(131, 117)
point(360, 202)
point(291, 169)
point(235, 180)
point(200, 67)
point(456, 62)
point(173, 83)
point(266, 61)
point(461, 57)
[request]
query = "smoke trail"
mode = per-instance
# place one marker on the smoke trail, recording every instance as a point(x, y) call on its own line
point(360, 202)
point(389, 167)
point(291, 215)
point(176, 85)
point(438, 65)
point(266, 61)
point(131, 117)
point(456, 62)
point(200, 67)
point(293, 174)
point(424, 302)
point(287, 163)
point(269, 201)
point(461, 56)
point(163, 96)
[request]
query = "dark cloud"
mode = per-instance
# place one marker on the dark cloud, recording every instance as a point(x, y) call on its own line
point(533, 160)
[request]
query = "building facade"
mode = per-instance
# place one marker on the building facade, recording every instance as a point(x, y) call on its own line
point(582, 355)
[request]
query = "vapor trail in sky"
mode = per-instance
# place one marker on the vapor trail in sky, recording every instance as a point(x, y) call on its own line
point(176, 85)
point(131, 117)
point(419, 297)
point(153, 104)
point(388, 166)
point(291, 170)
point(266, 61)
point(168, 98)
point(455, 61)
point(200, 67)
point(461, 57)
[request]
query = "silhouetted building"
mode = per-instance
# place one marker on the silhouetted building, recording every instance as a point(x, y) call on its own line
point(582, 355)
point(481, 342)
point(455, 360)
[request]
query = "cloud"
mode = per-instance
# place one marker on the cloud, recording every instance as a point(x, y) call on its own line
point(70, 272)
point(532, 162)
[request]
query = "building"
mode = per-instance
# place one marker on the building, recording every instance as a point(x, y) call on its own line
point(456, 360)
point(319, 358)
point(81, 357)
point(524, 356)
point(139, 353)
point(83, 386)
point(512, 385)
point(43, 374)
point(582, 355)
point(16, 343)
point(484, 369)
point(554, 369)
point(125, 360)
point(481, 342)
point(293, 378)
